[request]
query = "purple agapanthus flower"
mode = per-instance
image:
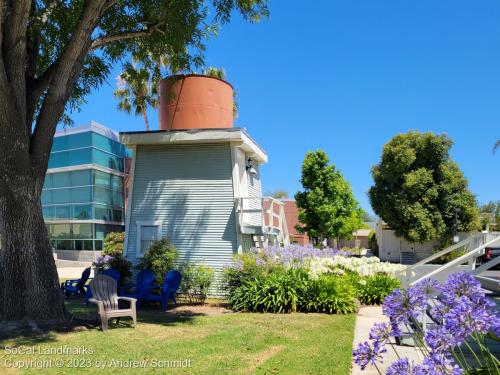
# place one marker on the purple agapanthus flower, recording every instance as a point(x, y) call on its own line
point(366, 354)
point(461, 284)
point(400, 367)
point(466, 318)
point(440, 340)
point(381, 332)
point(398, 307)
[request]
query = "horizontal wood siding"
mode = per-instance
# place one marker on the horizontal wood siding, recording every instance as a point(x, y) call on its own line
point(189, 189)
point(255, 190)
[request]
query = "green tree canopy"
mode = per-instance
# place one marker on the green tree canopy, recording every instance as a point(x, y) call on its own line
point(327, 208)
point(420, 191)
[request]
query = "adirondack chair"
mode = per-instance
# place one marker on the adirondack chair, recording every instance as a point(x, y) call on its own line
point(111, 272)
point(105, 297)
point(142, 288)
point(76, 287)
point(170, 286)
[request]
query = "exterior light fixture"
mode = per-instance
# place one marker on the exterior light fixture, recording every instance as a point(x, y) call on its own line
point(249, 167)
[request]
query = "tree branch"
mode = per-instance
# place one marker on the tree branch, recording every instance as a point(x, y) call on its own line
point(99, 42)
point(61, 78)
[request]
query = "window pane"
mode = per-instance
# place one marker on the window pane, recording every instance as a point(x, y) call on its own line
point(81, 195)
point(62, 212)
point(47, 197)
point(98, 245)
point(48, 213)
point(117, 215)
point(117, 198)
point(102, 212)
point(80, 178)
point(61, 196)
point(88, 245)
point(48, 182)
point(117, 183)
point(106, 144)
point(82, 212)
point(65, 245)
point(78, 244)
point(61, 180)
point(102, 179)
point(60, 230)
point(149, 234)
point(102, 195)
point(82, 230)
point(107, 160)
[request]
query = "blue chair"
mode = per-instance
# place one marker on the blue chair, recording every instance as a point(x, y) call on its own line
point(168, 289)
point(111, 272)
point(142, 288)
point(76, 287)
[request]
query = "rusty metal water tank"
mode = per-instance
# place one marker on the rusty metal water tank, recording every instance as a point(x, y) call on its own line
point(195, 102)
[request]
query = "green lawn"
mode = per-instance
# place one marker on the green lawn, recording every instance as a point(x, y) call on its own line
point(228, 343)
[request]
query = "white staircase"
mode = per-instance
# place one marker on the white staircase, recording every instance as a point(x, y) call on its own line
point(264, 219)
point(473, 247)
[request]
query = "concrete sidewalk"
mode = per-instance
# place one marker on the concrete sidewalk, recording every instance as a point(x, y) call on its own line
point(367, 316)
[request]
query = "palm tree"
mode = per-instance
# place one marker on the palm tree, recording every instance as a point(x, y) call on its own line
point(136, 91)
point(496, 146)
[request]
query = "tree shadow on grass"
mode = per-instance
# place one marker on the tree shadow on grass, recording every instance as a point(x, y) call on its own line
point(85, 318)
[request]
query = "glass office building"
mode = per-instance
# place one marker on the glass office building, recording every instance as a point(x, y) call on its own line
point(83, 194)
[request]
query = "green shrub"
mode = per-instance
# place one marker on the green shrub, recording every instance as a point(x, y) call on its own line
point(113, 243)
point(196, 280)
point(248, 269)
point(372, 290)
point(159, 258)
point(113, 246)
point(277, 292)
point(331, 294)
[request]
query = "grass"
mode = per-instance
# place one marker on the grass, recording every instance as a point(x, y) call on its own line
point(227, 343)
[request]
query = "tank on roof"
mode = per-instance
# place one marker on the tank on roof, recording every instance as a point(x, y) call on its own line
point(195, 102)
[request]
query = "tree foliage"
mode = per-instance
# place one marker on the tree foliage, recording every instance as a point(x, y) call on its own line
point(327, 207)
point(420, 191)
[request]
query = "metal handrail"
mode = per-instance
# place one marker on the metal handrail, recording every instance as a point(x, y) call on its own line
point(462, 259)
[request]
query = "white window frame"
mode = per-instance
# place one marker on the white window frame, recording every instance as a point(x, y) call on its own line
point(139, 224)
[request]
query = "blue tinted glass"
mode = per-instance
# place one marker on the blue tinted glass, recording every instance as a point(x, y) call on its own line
point(62, 212)
point(70, 158)
point(46, 197)
point(107, 160)
point(82, 230)
point(81, 178)
point(48, 213)
point(102, 195)
point(117, 198)
point(118, 215)
point(117, 183)
point(102, 212)
point(61, 180)
point(68, 142)
point(61, 196)
point(81, 195)
point(48, 182)
point(107, 144)
point(82, 212)
point(102, 179)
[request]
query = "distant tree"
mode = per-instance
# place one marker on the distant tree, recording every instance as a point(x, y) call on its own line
point(137, 91)
point(220, 73)
point(420, 191)
point(278, 194)
point(496, 146)
point(367, 217)
point(327, 208)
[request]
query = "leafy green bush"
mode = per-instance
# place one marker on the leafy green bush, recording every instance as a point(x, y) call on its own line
point(278, 292)
point(196, 280)
point(247, 269)
point(113, 243)
point(159, 258)
point(372, 290)
point(331, 294)
point(113, 246)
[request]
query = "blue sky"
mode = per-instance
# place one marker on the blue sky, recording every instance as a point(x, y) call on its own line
point(346, 76)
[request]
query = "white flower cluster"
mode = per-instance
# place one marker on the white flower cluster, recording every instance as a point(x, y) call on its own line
point(362, 266)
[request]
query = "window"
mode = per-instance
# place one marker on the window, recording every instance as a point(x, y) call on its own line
point(82, 212)
point(147, 233)
point(62, 212)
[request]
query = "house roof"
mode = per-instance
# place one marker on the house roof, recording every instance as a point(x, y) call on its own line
point(238, 136)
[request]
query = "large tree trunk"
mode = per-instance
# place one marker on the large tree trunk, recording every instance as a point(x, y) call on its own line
point(29, 285)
